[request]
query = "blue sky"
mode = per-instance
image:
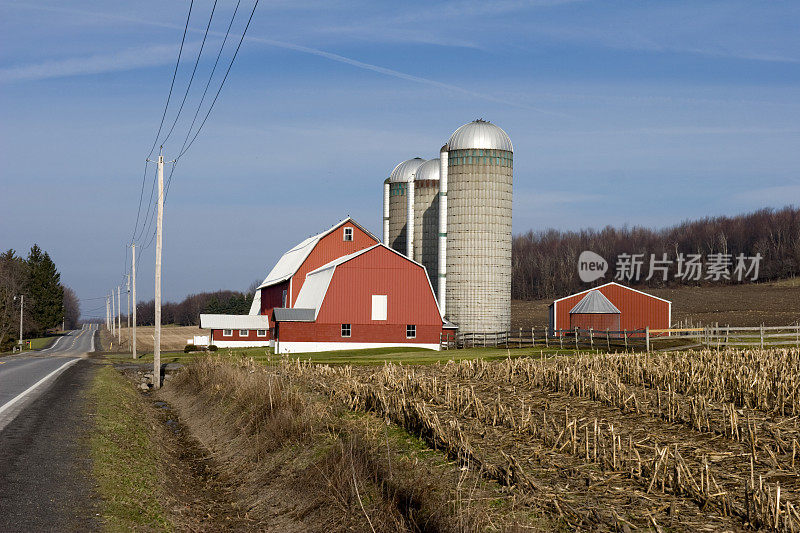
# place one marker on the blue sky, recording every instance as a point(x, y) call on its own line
point(639, 113)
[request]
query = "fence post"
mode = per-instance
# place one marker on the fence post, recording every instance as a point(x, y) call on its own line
point(762, 336)
point(797, 336)
point(520, 337)
point(533, 339)
point(546, 337)
point(591, 339)
point(576, 338)
point(647, 337)
point(561, 341)
point(608, 341)
point(625, 336)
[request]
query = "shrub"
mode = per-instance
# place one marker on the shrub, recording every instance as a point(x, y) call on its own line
point(190, 348)
point(212, 348)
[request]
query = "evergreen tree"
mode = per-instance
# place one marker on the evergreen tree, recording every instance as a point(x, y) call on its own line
point(44, 290)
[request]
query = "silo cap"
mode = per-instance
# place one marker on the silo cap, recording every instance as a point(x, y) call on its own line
point(405, 171)
point(429, 170)
point(480, 134)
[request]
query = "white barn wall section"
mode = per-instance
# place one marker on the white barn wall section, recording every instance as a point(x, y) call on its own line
point(240, 344)
point(303, 347)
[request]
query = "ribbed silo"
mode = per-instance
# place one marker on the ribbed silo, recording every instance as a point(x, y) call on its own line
point(398, 209)
point(426, 218)
point(478, 186)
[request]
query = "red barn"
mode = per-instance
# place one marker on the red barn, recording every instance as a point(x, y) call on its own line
point(372, 298)
point(284, 282)
point(614, 307)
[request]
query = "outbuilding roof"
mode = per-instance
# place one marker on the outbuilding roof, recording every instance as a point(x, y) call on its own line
point(293, 314)
point(234, 322)
point(594, 302)
point(290, 262)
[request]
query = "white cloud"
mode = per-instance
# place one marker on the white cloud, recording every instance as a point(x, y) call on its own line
point(128, 59)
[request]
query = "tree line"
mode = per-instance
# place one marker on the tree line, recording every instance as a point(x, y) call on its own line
point(187, 312)
point(47, 302)
point(545, 263)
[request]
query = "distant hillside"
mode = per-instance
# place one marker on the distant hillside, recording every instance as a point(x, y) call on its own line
point(545, 264)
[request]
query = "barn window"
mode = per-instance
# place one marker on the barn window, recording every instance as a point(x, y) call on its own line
point(345, 330)
point(348, 234)
point(379, 306)
point(411, 331)
point(261, 332)
point(244, 333)
point(227, 333)
point(284, 299)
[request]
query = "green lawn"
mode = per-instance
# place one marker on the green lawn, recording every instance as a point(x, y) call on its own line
point(373, 356)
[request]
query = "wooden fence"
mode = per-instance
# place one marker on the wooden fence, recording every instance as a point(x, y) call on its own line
point(641, 339)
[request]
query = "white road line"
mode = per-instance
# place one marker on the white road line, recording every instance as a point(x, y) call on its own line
point(53, 346)
point(27, 391)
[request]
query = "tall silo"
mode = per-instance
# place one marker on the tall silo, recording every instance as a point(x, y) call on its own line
point(398, 189)
point(475, 224)
point(426, 218)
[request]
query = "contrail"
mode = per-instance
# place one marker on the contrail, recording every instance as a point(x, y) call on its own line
point(299, 48)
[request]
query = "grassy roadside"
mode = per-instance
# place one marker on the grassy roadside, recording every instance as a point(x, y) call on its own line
point(124, 456)
point(374, 356)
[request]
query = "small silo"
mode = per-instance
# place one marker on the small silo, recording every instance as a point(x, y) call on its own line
point(426, 218)
point(476, 175)
point(398, 183)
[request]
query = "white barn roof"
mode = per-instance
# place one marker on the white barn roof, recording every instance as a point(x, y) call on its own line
point(234, 322)
point(290, 262)
point(595, 302)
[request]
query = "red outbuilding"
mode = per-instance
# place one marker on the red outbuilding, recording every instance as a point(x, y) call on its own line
point(375, 297)
point(611, 306)
point(285, 281)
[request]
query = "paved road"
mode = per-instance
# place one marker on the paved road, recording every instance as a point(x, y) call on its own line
point(45, 466)
point(23, 377)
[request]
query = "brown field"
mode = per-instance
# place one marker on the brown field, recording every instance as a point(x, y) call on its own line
point(770, 304)
point(696, 441)
point(687, 441)
point(172, 337)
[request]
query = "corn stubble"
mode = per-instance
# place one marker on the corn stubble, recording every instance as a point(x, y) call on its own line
point(703, 440)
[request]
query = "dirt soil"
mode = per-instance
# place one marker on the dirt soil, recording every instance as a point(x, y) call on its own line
point(770, 304)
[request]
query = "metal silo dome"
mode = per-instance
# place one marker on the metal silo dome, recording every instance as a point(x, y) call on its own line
point(480, 134)
point(429, 170)
point(404, 172)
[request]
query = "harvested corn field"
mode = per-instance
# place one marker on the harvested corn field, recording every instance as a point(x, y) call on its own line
point(702, 441)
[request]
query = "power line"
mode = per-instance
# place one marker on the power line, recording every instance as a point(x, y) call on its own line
point(191, 78)
point(174, 75)
point(214, 101)
point(210, 77)
point(163, 115)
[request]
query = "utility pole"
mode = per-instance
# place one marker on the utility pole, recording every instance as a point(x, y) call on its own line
point(133, 275)
point(21, 307)
point(113, 315)
point(119, 317)
point(159, 231)
point(107, 308)
point(128, 290)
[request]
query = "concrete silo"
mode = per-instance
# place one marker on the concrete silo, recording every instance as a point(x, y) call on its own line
point(476, 175)
point(423, 219)
point(397, 187)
